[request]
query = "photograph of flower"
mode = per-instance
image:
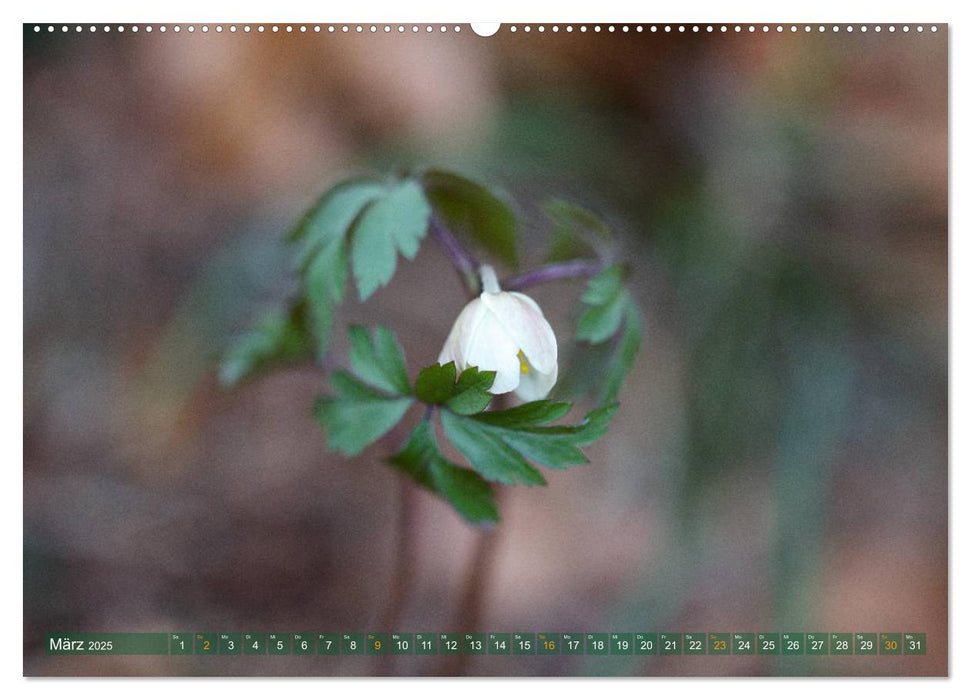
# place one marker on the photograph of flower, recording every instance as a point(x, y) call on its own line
point(424, 350)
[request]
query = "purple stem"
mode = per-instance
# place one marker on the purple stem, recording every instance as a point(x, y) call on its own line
point(462, 260)
point(557, 271)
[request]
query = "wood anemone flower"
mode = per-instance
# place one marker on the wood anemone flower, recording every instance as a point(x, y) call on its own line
point(504, 332)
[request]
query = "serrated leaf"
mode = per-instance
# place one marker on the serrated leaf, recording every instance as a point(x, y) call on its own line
point(331, 217)
point(394, 223)
point(600, 323)
point(324, 283)
point(466, 207)
point(280, 337)
point(555, 446)
point(488, 455)
point(357, 416)
point(556, 451)
point(322, 252)
point(593, 427)
point(601, 369)
point(467, 492)
point(595, 424)
point(414, 459)
point(379, 360)
point(436, 385)
point(471, 393)
point(625, 353)
point(528, 414)
point(347, 386)
point(605, 287)
point(326, 275)
point(606, 300)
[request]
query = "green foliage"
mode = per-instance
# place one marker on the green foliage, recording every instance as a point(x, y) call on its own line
point(280, 337)
point(379, 360)
point(363, 220)
point(611, 313)
point(436, 385)
point(606, 300)
point(576, 231)
point(489, 455)
point(321, 239)
point(624, 353)
point(527, 415)
point(362, 226)
point(331, 217)
point(325, 280)
point(473, 210)
point(394, 223)
point(367, 406)
point(465, 490)
point(499, 443)
point(357, 416)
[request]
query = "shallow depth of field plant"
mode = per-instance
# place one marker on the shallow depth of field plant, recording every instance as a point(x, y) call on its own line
point(488, 392)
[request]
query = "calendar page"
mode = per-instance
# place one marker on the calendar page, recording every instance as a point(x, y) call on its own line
point(545, 349)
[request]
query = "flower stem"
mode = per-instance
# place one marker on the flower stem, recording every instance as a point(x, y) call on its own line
point(490, 283)
point(573, 269)
point(471, 606)
point(462, 260)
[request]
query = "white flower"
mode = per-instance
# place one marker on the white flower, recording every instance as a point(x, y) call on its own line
point(504, 332)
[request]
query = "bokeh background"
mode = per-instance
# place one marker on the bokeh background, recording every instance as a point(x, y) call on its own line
point(779, 461)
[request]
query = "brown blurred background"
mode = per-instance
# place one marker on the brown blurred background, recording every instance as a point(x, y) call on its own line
point(779, 461)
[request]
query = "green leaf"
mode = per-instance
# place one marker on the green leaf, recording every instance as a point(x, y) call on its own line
point(394, 223)
point(593, 427)
point(350, 387)
point(497, 432)
point(565, 214)
point(471, 393)
point(331, 217)
point(468, 493)
point(378, 360)
point(324, 284)
point(488, 455)
point(605, 287)
point(606, 300)
point(322, 252)
point(557, 451)
point(469, 208)
point(357, 416)
point(601, 369)
point(415, 458)
point(624, 354)
point(528, 414)
point(575, 229)
point(436, 385)
point(280, 337)
point(600, 323)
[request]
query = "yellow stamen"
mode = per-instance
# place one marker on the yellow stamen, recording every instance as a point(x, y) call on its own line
point(523, 367)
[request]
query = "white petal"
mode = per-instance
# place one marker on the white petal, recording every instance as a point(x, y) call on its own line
point(479, 339)
point(527, 327)
point(535, 385)
point(468, 319)
point(489, 347)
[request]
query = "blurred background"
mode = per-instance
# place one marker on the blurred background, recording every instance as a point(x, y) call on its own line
point(779, 461)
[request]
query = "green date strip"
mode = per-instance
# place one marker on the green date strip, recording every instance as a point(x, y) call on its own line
point(603, 644)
